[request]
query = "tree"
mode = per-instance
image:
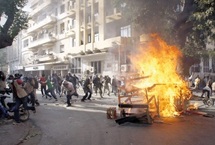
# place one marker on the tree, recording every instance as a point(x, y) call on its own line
point(150, 16)
point(185, 23)
point(203, 26)
point(3, 58)
point(16, 20)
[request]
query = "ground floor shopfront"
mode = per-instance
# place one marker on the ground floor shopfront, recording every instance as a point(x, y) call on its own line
point(81, 65)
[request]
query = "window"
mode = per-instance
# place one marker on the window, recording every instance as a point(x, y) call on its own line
point(126, 31)
point(97, 66)
point(206, 64)
point(61, 48)
point(76, 65)
point(73, 42)
point(213, 64)
point(25, 43)
point(62, 28)
point(71, 5)
point(72, 23)
point(96, 37)
point(88, 18)
point(89, 38)
point(96, 15)
point(62, 9)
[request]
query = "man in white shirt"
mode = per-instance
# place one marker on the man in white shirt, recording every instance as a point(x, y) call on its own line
point(70, 90)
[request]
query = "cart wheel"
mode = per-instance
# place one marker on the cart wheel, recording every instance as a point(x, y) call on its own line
point(122, 113)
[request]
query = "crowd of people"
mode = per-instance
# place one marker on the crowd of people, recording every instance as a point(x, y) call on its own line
point(206, 84)
point(22, 90)
point(55, 84)
point(24, 87)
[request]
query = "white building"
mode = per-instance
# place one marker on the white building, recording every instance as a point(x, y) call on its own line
point(207, 63)
point(72, 35)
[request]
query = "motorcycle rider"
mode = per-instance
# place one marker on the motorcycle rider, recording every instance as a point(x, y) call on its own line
point(2, 82)
point(19, 95)
point(3, 90)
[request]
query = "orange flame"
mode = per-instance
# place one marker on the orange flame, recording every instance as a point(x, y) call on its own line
point(160, 61)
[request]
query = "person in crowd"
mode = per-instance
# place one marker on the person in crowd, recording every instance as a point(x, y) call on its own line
point(50, 89)
point(3, 91)
point(43, 85)
point(20, 96)
point(97, 85)
point(28, 85)
point(2, 82)
point(114, 85)
point(107, 83)
point(87, 89)
point(196, 82)
point(55, 81)
point(77, 81)
point(213, 87)
point(207, 90)
point(36, 86)
point(70, 91)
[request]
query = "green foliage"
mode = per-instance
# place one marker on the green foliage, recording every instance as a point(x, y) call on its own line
point(186, 23)
point(203, 20)
point(16, 20)
point(151, 16)
point(3, 57)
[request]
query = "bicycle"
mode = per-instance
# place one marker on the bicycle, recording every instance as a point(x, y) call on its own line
point(207, 100)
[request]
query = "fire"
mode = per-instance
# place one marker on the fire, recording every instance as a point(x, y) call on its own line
point(160, 62)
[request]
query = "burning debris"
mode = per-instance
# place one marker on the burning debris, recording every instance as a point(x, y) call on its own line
point(157, 89)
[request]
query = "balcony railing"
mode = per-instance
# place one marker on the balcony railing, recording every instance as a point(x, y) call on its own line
point(45, 58)
point(107, 42)
point(41, 7)
point(111, 16)
point(46, 39)
point(47, 21)
point(70, 32)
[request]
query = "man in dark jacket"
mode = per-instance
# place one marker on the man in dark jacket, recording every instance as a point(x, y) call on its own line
point(87, 89)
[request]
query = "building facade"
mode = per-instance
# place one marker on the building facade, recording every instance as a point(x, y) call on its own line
point(77, 36)
point(206, 67)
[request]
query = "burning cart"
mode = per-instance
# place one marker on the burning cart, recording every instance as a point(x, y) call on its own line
point(141, 104)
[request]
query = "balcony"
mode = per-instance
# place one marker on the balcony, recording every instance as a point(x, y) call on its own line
point(71, 10)
point(47, 39)
point(45, 58)
point(70, 32)
point(47, 22)
point(41, 7)
point(116, 15)
point(107, 43)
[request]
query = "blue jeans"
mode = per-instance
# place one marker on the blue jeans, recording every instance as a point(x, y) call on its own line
point(52, 93)
point(18, 102)
point(4, 111)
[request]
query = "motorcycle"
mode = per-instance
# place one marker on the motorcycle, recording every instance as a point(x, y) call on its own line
point(6, 109)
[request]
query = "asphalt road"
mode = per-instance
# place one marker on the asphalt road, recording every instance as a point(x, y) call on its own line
point(85, 123)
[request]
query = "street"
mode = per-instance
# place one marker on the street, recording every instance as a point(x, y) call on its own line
point(86, 123)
